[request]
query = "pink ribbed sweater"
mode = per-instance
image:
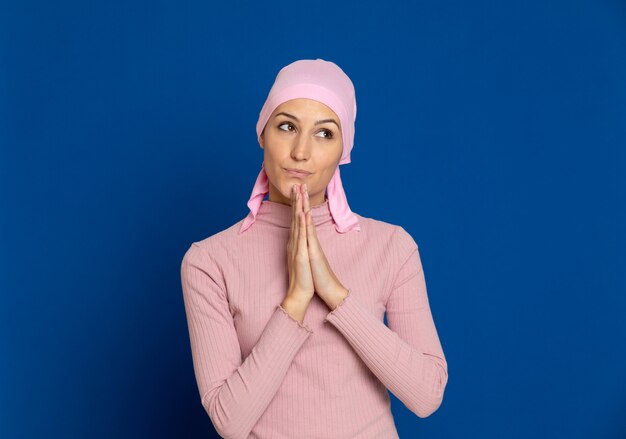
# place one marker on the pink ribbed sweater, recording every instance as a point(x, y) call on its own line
point(263, 374)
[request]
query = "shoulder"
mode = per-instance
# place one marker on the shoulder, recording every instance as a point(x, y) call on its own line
point(399, 238)
point(214, 247)
point(220, 241)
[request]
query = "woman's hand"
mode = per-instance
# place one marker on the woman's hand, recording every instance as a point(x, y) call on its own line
point(327, 286)
point(301, 288)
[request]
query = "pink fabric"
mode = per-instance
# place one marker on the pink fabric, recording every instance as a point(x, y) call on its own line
point(262, 374)
point(327, 83)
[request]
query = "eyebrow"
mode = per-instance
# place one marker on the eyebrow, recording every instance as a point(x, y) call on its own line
point(316, 123)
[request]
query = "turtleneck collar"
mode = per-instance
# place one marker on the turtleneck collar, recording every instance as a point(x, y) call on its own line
point(278, 214)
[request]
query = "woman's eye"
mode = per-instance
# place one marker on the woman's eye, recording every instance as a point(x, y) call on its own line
point(283, 124)
point(329, 134)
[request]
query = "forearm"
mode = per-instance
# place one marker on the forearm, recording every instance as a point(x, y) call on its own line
point(236, 403)
point(335, 299)
point(296, 307)
point(415, 377)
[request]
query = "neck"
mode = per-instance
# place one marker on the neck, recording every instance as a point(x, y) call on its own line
point(279, 214)
point(276, 196)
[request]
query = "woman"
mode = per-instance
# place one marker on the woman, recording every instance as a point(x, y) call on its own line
point(286, 307)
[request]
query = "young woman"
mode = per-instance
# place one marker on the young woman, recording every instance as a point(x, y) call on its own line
point(286, 307)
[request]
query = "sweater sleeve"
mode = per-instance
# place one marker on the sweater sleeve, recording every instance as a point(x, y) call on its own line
point(406, 356)
point(233, 392)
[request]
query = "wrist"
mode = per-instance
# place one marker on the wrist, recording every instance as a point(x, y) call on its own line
point(296, 307)
point(338, 298)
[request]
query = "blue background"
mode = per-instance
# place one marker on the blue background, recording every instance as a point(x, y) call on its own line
point(493, 132)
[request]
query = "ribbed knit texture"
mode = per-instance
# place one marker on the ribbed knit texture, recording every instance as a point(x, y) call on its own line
point(263, 374)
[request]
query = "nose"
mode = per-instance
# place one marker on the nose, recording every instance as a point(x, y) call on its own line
point(300, 148)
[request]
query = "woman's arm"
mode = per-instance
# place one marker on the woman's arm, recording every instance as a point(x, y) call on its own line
point(233, 392)
point(407, 356)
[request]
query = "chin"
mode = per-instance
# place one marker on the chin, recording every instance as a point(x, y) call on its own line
point(285, 189)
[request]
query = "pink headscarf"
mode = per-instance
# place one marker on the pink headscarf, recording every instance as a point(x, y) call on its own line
point(324, 82)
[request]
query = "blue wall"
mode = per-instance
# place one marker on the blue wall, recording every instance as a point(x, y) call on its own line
point(494, 132)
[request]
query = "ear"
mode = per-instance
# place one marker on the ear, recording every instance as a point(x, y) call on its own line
point(261, 141)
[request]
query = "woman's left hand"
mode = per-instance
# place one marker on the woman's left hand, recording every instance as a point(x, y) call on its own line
point(326, 284)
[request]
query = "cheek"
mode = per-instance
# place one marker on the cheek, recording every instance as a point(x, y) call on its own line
point(274, 170)
point(271, 156)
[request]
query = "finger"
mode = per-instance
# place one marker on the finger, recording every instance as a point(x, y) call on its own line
point(302, 231)
point(307, 211)
point(305, 197)
point(311, 235)
point(293, 223)
point(297, 218)
point(293, 210)
point(302, 236)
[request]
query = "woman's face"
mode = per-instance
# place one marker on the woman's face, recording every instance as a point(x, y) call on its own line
point(301, 134)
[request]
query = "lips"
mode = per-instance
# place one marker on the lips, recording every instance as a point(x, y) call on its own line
point(297, 173)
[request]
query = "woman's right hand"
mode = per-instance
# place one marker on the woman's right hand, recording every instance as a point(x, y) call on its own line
point(300, 278)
